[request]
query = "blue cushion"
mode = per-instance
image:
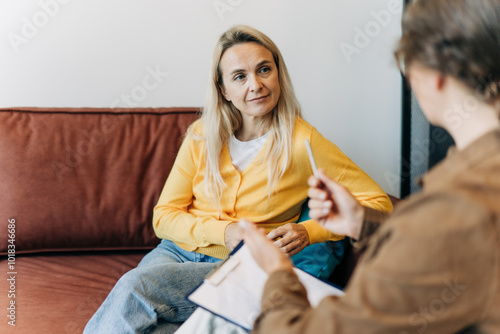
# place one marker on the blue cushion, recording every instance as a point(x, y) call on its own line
point(320, 259)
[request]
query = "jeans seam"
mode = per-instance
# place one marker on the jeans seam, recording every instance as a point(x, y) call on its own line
point(168, 309)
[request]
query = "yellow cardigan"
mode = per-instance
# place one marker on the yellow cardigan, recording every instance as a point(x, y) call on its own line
point(186, 216)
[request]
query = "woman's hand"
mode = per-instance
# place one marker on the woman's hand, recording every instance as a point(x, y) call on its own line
point(269, 257)
point(293, 238)
point(334, 207)
point(232, 236)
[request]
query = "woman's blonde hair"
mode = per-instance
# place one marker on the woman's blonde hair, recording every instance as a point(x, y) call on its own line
point(221, 119)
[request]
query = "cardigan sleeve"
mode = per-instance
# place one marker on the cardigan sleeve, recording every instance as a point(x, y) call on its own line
point(344, 171)
point(171, 219)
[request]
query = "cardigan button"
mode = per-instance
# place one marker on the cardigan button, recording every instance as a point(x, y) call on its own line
point(231, 200)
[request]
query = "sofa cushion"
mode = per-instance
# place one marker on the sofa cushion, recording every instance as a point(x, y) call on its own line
point(59, 293)
point(85, 178)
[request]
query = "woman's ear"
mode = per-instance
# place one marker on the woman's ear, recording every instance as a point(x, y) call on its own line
point(223, 91)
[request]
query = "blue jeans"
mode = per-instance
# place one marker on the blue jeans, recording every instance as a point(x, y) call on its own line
point(152, 297)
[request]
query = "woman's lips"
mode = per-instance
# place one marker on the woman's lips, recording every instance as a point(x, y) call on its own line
point(258, 99)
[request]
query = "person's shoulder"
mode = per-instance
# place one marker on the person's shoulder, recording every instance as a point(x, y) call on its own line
point(196, 132)
point(302, 130)
point(197, 128)
point(452, 210)
point(194, 138)
point(302, 125)
point(431, 232)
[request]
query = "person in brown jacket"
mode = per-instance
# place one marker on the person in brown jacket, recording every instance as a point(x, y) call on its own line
point(433, 266)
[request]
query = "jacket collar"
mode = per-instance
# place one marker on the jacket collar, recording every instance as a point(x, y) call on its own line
point(457, 162)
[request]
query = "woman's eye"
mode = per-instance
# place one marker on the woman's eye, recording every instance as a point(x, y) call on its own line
point(265, 70)
point(239, 77)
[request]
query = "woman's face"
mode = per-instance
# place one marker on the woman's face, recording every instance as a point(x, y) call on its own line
point(250, 79)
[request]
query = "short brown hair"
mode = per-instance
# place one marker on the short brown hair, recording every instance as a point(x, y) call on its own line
point(460, 38)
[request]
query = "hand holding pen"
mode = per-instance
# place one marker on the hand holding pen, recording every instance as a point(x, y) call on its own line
point(332, 205)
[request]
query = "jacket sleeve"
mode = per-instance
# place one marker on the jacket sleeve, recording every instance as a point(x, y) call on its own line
point(171, 219)
point(344, 171)
point(372, 221)
point(417, 275)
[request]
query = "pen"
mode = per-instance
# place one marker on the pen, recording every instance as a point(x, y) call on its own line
point(311, 159)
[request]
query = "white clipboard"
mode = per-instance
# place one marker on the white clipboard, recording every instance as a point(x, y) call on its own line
point(233, 290)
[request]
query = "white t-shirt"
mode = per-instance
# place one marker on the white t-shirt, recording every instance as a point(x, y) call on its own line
point(243, 152)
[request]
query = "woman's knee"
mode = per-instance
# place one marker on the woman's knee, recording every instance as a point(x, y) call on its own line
point(135, 280)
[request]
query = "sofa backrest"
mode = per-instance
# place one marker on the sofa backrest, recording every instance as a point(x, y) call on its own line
point(84, 178)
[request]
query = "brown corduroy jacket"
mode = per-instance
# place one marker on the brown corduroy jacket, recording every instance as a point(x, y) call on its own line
point(432, 267)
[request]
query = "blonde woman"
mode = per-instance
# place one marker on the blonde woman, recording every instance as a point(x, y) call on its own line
point(245, 157)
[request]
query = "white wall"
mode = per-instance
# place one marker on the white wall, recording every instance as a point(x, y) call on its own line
point(62, 53)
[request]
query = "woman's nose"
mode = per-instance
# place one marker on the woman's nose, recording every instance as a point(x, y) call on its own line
point(255, 83)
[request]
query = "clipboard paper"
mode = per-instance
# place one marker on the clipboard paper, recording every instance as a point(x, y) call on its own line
point(233, 291)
